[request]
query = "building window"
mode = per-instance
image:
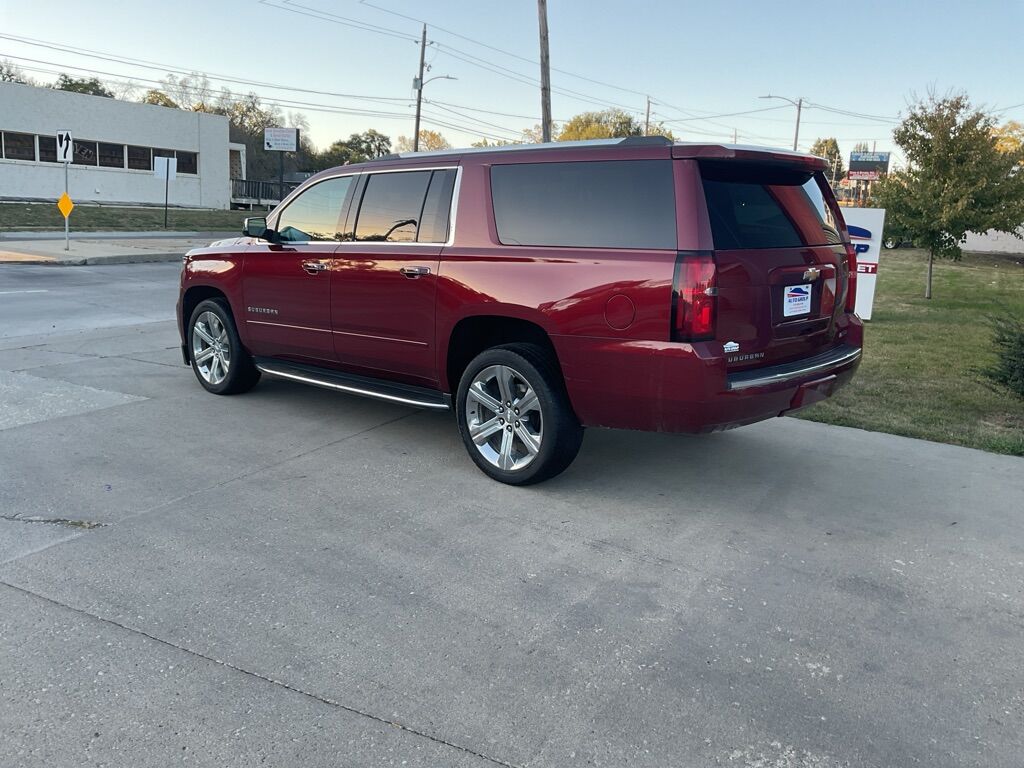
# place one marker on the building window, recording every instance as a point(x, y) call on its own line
point(188, 162)
point(111, 155)
point(140, 158)
point(85, 153)
point(19, 146)
point(47, 149)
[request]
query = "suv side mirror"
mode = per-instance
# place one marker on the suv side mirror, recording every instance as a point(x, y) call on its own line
point(256, 226)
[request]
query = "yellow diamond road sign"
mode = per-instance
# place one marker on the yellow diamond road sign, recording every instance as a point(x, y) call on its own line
point(65, 205)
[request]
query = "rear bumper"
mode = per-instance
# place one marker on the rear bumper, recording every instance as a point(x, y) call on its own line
point(799, 370)
point(667, 387)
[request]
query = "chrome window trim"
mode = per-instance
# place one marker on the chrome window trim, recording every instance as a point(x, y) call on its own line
point(456, 189)
point(293, 195)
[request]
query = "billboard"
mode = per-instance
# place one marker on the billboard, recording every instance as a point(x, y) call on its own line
point(281, 139)
point(868, 166)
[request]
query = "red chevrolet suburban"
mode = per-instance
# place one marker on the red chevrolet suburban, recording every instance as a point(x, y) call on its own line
point(540, 289)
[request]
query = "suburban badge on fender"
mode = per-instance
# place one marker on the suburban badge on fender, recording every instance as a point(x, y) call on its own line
point(262, 310)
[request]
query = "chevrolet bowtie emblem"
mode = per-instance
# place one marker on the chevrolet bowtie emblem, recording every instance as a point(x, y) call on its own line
point(812, 274)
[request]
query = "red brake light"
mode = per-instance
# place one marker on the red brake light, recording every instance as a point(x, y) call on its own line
point(851, 280)
point(694, 294)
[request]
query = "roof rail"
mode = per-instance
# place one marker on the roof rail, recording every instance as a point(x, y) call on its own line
point(629, 141)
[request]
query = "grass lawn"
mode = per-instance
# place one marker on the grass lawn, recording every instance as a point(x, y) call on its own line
point(45, 217)
point(917, 377)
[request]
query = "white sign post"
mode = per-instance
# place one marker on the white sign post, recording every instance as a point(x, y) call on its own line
point(65, 147)
point(165, 168)
point(865, 226)
point(281, 140)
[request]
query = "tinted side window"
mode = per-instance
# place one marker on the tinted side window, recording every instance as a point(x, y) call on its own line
point(315, 214)
point(764, 207)
point(392, 205)
point(436, 208)
point(612, 204)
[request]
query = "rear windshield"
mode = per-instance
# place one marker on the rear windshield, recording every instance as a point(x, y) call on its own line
point(754, 206)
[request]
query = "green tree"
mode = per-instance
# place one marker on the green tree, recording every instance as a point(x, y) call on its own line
point(956, 180)
point(9, 73)
point(370, 144)
point(609, 124)
point(160, 99)
point(91, 86)
point(829, 149)
point(484, 143)
point(1009, 137)
point(430, 141)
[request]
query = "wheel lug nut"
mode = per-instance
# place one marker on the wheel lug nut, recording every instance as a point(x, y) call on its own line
point(517, 411)
point(517, 423)
point(509, 427)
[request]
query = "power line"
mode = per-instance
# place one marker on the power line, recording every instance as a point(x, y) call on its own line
point(129, 80)
point(724, 114)
point(316, 13)
point(452, 51)
point(124, 80)
point(174, 69)
point(498, 50)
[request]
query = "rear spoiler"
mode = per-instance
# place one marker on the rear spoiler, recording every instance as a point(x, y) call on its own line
point(683, 150)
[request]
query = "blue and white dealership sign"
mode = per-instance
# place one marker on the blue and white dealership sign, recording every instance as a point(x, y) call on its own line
point(865, 226)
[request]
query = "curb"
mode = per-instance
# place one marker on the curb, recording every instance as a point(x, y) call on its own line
point(14, 235)
point(96, 261)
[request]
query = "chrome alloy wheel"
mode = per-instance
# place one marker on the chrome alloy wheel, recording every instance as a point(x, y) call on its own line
point(211, 349)
point(504, 417)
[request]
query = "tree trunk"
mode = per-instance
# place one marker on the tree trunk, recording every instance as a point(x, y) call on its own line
point(928, 283)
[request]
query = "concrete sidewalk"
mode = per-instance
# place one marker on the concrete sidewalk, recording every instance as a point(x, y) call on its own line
point(101, 247)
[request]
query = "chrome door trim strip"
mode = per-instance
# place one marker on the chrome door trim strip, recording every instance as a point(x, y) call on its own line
point(351, 389)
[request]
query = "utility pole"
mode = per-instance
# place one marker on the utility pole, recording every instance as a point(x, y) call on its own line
point(796, 135)
point(419, 91)
point(647, 118)
point(735, 138)
point(545, 72)
point(799, 104)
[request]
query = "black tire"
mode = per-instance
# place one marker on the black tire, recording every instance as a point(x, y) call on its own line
point(890, 242)
point(560, 432)
point(242, 374)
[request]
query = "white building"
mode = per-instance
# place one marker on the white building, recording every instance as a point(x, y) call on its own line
point(114, 146)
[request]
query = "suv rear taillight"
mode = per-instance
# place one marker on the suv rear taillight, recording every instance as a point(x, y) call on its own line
point(694, 296)
point(851, 280)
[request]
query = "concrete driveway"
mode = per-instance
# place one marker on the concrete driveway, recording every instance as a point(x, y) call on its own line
point(297, 578)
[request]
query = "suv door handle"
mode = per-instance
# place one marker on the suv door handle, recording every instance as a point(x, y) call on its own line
point(314, 267)
point(413, 272)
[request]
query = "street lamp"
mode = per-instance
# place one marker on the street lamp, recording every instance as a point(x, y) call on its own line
point(799, 103)
point(418, 83)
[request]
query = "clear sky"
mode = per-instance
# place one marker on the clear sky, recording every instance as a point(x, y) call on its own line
point(698, 61)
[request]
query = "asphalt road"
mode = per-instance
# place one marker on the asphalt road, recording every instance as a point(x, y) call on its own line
point(298, 578)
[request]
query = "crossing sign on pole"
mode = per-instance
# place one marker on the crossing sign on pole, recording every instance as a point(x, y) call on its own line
point(65, 147)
